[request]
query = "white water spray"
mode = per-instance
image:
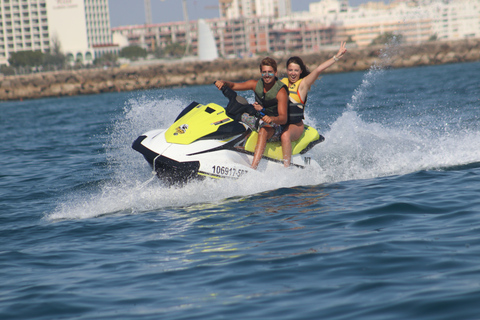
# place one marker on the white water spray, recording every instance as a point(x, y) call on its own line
point(353, 149)
point(356, 149)
point(374, 74)
point(132, 190)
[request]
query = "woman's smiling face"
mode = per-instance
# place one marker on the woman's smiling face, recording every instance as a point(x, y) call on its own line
point(293, 71)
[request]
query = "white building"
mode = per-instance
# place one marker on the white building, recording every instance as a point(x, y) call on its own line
point(99, 35)
point(459, 19)
point(365, 23)
point(234, 9)
point(23, 26)
point(249, 27)
point(80, 27)
point(65, 18)
point(416, 21)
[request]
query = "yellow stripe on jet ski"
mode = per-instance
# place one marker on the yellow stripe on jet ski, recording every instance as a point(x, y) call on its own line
point(209, 175)
point(191, 126)
point(274, 149)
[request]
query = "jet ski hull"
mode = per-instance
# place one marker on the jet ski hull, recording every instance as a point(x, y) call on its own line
point(214, 159)
point(180, 163)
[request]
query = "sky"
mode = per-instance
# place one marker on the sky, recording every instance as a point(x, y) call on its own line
point(132, 12)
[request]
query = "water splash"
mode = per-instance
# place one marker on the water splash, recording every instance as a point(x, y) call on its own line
point(357, 149)
point(353, 149)
point(114, 198)
point(140, 115)
point(375, 73)
point(132, 190)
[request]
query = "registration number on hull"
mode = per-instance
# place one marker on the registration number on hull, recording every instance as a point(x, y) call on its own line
point(228, 171)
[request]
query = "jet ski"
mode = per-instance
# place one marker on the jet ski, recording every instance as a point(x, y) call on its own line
point(208, 140)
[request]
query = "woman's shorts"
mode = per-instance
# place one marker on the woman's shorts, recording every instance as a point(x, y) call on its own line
point(251, 121)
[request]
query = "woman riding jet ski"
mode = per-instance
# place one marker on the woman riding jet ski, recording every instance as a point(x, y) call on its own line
point(210, 141)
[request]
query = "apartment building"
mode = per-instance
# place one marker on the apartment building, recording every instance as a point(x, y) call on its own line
point(80, 27)
point(234, 37)
point(23, 26)
point(247, 27)
point(235, 9)
point(459, 19)
point(99, 34)
point(416, 21)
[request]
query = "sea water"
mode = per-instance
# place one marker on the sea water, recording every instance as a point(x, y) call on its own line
point(386, 227)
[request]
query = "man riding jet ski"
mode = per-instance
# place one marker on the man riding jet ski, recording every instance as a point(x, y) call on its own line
point(210, 141)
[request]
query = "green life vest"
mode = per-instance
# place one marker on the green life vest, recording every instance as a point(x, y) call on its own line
point(269, 99)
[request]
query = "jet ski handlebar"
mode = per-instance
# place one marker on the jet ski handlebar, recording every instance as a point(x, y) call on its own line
point(238, 105)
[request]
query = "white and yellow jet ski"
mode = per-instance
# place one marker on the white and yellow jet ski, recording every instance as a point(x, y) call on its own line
point(209, 141)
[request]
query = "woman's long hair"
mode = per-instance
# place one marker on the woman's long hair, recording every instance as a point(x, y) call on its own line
point(303, 67)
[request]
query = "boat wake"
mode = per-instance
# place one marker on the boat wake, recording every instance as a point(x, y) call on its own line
point(353, 149)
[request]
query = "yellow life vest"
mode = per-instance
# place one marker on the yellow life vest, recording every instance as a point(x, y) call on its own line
point(296, 106)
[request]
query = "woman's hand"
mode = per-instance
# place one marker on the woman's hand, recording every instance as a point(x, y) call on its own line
point(342, 50)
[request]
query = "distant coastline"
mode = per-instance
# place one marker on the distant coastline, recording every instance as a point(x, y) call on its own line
point(178, 73)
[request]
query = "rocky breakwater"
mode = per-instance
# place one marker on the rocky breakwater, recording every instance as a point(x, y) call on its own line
point(93, 81)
